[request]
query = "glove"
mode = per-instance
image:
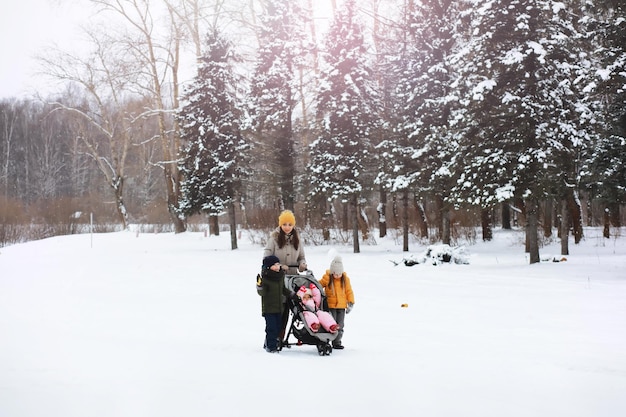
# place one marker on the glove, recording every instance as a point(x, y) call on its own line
point(259, 281)
point(349, 308)
point(302, 267)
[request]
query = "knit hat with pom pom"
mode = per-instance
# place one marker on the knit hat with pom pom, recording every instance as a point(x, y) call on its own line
point(336, 266)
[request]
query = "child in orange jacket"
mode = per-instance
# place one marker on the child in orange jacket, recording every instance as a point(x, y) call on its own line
point(339, 295)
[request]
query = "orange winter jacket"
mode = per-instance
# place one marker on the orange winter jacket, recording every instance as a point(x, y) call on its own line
point(337, 294)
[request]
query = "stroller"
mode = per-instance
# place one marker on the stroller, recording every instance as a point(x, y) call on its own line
point(296, 324)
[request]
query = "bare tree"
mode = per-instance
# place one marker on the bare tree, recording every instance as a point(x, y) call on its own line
point(8, 122)
point(195, 16)
point(103, 125)
point(155, 34)
point(47, 153)
point(154, 46)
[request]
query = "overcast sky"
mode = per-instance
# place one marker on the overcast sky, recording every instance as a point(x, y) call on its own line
point(27, 27)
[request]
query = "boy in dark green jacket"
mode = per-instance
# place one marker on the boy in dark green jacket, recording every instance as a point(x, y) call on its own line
point(271, 288)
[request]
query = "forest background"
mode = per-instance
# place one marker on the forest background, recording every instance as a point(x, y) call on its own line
point(430, 118)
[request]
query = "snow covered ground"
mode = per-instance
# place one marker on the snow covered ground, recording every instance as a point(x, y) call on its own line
point(153, 325)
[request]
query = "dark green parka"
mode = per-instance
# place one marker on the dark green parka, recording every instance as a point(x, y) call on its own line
point(272, 291)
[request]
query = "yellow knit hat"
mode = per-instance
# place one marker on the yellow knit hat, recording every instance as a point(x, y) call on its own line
point(286, 217)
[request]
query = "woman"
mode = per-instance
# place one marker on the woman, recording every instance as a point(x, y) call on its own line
point(284, 243)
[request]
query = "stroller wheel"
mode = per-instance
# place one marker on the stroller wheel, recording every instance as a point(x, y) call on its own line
point(324, 349)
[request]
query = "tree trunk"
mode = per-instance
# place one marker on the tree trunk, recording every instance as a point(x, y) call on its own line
point(381, 209)
point(363, 224)
point(575, 215)
point(287, 189)
point(526, 241)
point(214, 225)
point(556, 213)
point(485, 217)
point(422, 221)
point(394, 209)
point(444, 211)
point(506, 216)
point(287, 161)
point(564, 228)
point(532, 236)
point(439, 216)
point(547, 218)
point(355, 225)
point(244, 215)
point(447, 232)
point(519, 212)
point(327, 219)
point(606, 232)
point(614, 215)
point(405, 221)
point(118, 188)
point(233, 225)
point(173, 171)
point(172, 200)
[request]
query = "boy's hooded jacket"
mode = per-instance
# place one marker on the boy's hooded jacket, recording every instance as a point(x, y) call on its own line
point(272, 291)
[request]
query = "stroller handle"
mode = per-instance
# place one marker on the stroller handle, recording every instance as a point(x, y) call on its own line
point(305, 272)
